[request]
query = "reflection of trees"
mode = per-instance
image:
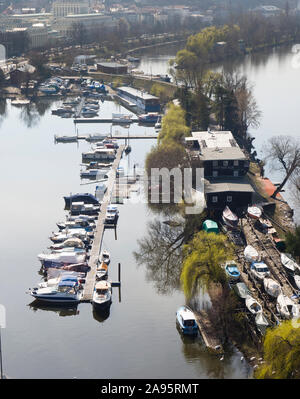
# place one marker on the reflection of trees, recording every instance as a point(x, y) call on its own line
point(29, 115)
point(43, 106)
point(160, 252)
point(3, 109)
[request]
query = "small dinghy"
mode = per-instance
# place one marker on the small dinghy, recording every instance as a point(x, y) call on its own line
point(272, 287)
point(186, 321)
point(252, 305)
point(289, 264)
point(251, 255)
point(102, 271)
point(287, 308)
point(259, 270)
point(229, 218)
point(102, 295)
point(232, 271)
point(254, 212)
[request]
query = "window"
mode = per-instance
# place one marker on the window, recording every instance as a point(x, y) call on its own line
point(235, 173)
point(225, 163)
point(214, 198)
point(215, 163)
point(229, 198)
point(236, 163)
point(246, 164)
point(215, 173)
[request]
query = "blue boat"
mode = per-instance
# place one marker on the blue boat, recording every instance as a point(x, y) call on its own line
point(232, 270)
point(186, 321)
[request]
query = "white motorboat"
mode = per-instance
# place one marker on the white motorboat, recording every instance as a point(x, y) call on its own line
point(61, 259)
point(63, 276)
point(229, 218)
point(101, 154)
point(289, 263)
point(259, 270)
point(261, 322)
point(252, 305)
point(102, 295)
point(112, 214)
point(254, 212)
point(102, 271)
point(251, 255)
point(104, 257)
point(286, 307)
point(65, 292)
point(272, 287)
point(66, 234)
point(69, 243)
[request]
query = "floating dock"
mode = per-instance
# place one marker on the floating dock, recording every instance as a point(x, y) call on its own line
point(100, 226)
point(102, 120)
point(207, 331)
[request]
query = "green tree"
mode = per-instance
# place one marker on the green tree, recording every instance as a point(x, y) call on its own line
point(173, 125)
point(203, 257)
point(292, 241)
point(281, 352)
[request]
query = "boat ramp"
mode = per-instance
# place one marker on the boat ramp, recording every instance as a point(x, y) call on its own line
point(208, 332)
point(99, 231)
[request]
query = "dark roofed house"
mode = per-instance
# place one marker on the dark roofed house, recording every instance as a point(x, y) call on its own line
point(225, 168)
point(113, 68)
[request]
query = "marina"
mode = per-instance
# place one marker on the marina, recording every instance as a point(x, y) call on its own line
point(63, 329)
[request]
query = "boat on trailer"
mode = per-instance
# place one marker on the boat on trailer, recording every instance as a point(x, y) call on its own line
point(254, 212)
point(287, 308)
point(252, 305)
point(289, 264)
point(272, 287)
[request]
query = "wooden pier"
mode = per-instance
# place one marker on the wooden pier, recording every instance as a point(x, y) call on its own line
point(104, 120)
point(99, 231)
point(208, 332)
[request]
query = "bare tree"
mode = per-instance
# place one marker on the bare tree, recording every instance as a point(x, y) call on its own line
point(284, 154)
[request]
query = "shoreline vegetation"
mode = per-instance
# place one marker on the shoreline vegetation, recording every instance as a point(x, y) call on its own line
point(227, 103)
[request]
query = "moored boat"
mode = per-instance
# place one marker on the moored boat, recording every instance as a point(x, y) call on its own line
point(104, 257)
point(86, 198)
point(66, 292)
point(102, 271)
point(186, 321)
point(102, 295)
point(150, 117)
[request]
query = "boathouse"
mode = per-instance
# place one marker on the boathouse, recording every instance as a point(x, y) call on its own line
point(225, 168)
point(143, 100)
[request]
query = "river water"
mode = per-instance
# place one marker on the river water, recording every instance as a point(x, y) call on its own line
point(139, 339)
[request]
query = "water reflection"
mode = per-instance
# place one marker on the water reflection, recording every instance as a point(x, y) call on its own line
point(160, 252)
point(101, 316)
point(68, 311)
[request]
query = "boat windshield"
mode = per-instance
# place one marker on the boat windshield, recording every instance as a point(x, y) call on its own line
point(101, 291)
point(189, 323)
point(262, 269)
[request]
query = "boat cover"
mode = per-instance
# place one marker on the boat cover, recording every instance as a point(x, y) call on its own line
point(272, 287)
point(210, 226)
point(251, 254)
point(242, 290)
point(288, 262)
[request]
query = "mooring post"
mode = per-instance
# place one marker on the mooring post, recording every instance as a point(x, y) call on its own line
point(119, 272)
point(1, 366)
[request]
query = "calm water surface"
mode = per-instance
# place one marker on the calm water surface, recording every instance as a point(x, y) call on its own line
point(139, 338)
